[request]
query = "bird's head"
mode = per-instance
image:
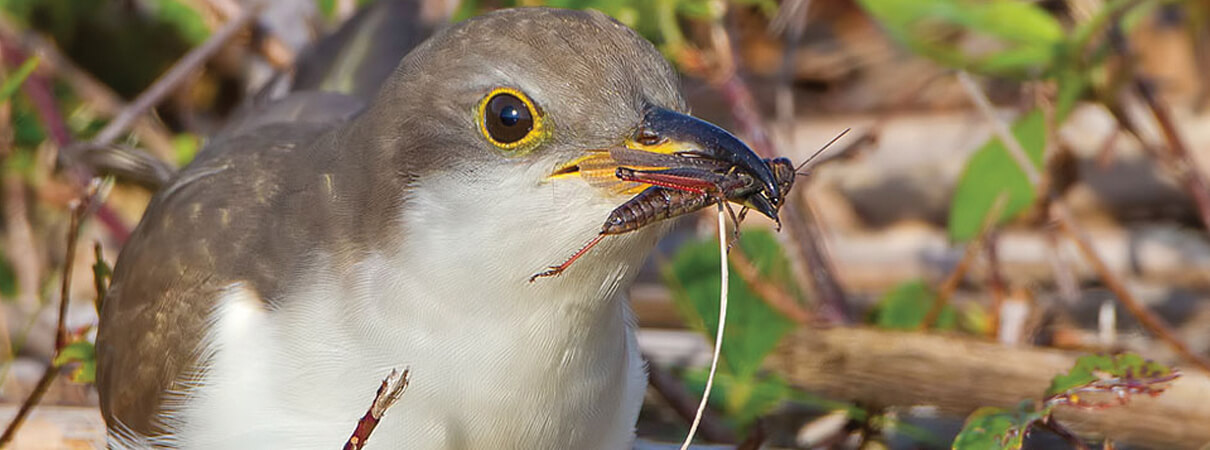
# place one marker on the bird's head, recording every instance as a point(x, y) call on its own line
point(512, 124)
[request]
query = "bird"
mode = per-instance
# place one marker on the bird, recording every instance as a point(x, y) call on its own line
point(274, 282)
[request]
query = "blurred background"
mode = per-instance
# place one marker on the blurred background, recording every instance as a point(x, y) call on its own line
point(1008, 248)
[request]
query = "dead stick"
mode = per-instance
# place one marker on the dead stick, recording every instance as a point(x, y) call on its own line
point(968, 255)
point(711, 427)
point(276, 53)
point(818, 275)
point(179, 72)
point(1063, 216)
point(1149, 319)
point(1178, 157)
point(773, 295)
point(78, 212)
point(389, 392)
point(94, 93)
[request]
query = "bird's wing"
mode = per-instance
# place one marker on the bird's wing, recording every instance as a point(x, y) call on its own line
point(197, 237)
point(233, 216)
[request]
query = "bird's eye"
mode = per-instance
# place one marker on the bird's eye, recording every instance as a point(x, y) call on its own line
point(509, 118)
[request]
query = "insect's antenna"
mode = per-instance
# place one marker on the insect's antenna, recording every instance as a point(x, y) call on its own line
point(825, 147)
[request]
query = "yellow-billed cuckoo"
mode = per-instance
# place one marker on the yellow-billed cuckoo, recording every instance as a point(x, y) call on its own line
point(274, 282)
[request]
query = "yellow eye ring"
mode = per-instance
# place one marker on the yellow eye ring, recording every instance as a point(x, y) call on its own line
point(509, 120)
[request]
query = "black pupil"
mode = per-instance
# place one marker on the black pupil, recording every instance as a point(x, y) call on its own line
point(509, 116)
point(507, 119)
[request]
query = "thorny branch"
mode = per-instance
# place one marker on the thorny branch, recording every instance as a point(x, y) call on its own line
point(1062, 215)
point(79, 211)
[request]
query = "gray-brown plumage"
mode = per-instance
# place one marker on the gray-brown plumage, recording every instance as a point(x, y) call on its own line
point(281, 274)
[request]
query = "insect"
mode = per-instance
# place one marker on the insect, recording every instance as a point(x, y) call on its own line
point(678, 191)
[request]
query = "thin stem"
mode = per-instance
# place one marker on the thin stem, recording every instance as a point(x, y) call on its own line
point(179, 72)
point(1146, 317)
point(1061, 214)
point(79, 211)
point(1001, 129)
point(968, 255)
point(389, 392)
point(682, 401)
point(773, 295)
point(722, 323)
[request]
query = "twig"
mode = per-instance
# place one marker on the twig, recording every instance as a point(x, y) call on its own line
point(724, 282)
point(1001, 129)
point(163, 86)
point(96, 94)
point(276, 53)
point(79, 211)
point(389, 392)
point(773, 295)
point(1178, 157)
point(808, 254)
point(681, 400)
point(1060, 213)
point(101, 275)
point(1146, 317)
point(1181, 159)
point(37, 88)
point(757, 436)
point(959, 273)
point(1059, 430)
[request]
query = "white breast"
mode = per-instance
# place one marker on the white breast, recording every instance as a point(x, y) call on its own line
point(496, 362)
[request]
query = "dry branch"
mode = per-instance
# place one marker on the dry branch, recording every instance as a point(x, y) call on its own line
point(773, 295)
point(1061, 214)
point(958, 375)
point(163, 86)
point(389, 392)
point(79, 211)
point(808, 254)
point(683, 402)
point(96, 94)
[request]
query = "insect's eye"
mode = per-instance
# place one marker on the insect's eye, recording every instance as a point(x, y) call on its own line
point(508, 118)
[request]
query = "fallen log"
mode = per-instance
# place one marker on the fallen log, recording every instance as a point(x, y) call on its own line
point(957, 374)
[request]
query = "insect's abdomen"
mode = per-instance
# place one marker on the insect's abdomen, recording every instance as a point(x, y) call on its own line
point(652, 205)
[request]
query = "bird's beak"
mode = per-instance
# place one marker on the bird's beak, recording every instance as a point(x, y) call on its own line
point(667, 139)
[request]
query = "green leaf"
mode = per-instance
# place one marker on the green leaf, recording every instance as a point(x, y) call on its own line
point(998, 428)
point(906, 306)
point(185, 146)
point(1072, 86)
point(742, 400)
point(753, 328)
point(14, 80)
point(83, 352)
point(101, 275)
point(992, 172)
point(76, 351)
point(1116, 375)
point(86, 373)
point(1024, 37)
point(27, 127)
point(184, 18)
